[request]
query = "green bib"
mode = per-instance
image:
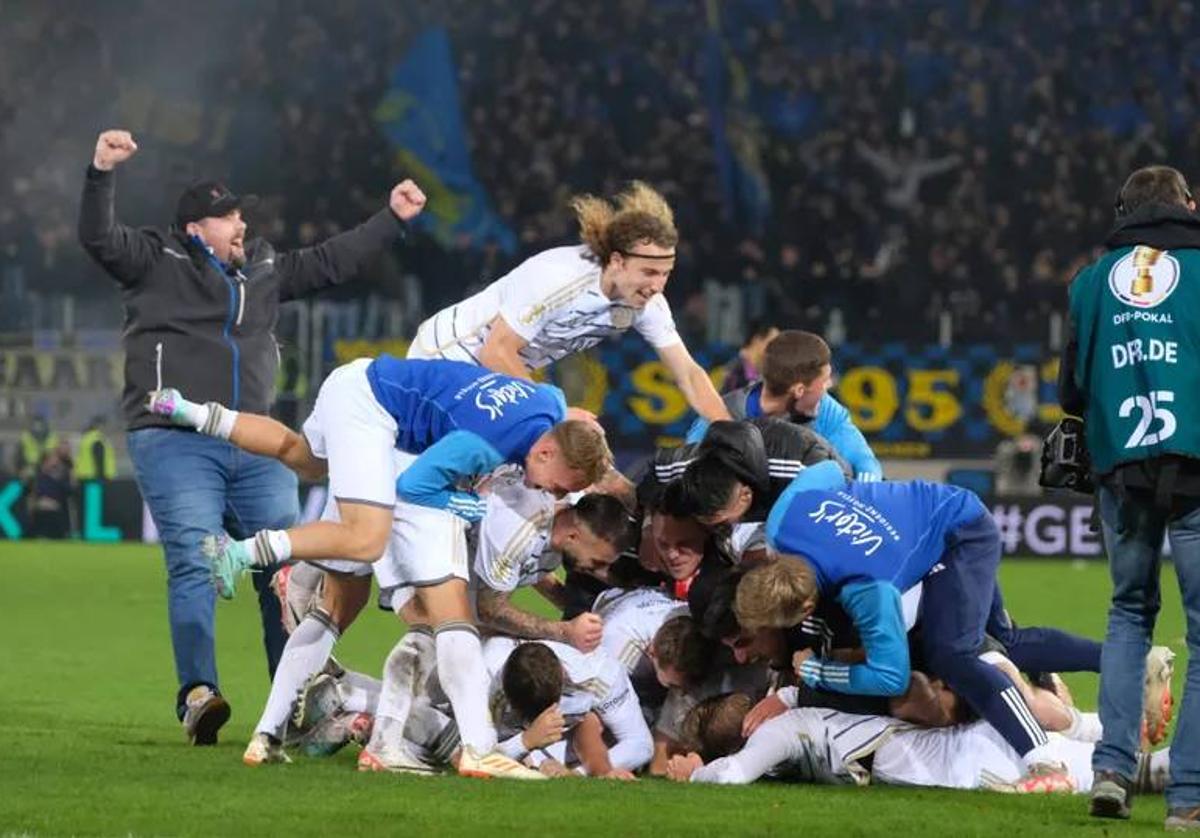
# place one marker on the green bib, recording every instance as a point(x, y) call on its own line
point(1136, 313)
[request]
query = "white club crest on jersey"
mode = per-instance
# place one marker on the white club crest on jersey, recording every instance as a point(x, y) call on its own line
point(1144, 277)
point(622, 317)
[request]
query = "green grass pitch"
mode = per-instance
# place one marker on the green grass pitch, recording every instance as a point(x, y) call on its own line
point(89, 744)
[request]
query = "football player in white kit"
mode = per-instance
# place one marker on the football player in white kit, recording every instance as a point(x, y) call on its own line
point(537, 678)
point(523, 538)
point(826, 746)
point(633, 620)
point(567, 299)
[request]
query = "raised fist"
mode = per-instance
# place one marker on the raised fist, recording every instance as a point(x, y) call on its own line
point(585, 631)
point(407, 200)
point(113, 147)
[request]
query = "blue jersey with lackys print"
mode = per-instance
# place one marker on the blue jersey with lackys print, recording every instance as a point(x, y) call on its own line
point(867, 543)
point(463, 421)
point(850, 531)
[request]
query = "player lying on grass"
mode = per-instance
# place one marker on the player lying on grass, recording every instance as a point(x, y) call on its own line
point(797, 375)
point(542, 691)
point(568, 299)
point(645, 631)
point(450, 424)
point(864, 544)
point(828, 746)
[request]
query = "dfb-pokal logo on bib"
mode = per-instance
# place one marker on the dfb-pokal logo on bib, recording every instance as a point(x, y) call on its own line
point(1144, 277)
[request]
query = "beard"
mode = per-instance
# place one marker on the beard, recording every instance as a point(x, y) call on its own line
point(237, 258)
point(569, 563)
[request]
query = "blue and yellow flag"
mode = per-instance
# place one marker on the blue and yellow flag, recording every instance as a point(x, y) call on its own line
point(421, 116)
point(737, 132)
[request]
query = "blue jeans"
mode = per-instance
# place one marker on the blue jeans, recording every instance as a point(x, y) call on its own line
point(1133, 537)
point(196, 485)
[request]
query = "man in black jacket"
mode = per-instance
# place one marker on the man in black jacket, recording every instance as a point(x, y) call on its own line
point(201, 305)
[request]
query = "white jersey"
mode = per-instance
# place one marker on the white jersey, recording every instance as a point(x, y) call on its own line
point(807, 745)
point(594, 683)
point(554, 302)
point(631, 619)
point(512, 540)
point(817, 745)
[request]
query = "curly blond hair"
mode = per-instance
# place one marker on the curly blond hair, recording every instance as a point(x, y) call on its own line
point(638, 214)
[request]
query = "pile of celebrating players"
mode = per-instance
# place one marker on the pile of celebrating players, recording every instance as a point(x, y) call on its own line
point(755, 602)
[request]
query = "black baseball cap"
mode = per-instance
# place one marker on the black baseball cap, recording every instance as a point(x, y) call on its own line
point(209, 199)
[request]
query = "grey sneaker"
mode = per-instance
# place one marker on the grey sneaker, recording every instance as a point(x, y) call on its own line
point(1183, 820)
point(1112, 796)
point(206, 711)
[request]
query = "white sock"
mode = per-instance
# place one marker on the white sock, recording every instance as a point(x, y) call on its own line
point(361, 692)
point(1085, 727)
point(210, 418)
point(405, 670)
point(190, 413)
point(219, 421)
point(464, 679)
point(268, 547)
point(305, 654)
point(303, 592)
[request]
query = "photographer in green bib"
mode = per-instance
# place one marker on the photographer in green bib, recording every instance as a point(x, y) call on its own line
point(1130, 384)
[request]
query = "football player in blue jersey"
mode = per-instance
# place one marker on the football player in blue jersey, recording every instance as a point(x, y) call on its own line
point(797, 377)
point(864, 544)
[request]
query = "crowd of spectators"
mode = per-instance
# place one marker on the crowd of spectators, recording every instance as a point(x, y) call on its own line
point(921, 157)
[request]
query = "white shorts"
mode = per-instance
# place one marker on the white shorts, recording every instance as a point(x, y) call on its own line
point(427, 546)
point(356, 437)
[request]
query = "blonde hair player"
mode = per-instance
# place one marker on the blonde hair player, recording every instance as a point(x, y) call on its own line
point(567, 299)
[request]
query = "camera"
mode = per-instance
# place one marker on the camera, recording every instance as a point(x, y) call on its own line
point(1066, 463)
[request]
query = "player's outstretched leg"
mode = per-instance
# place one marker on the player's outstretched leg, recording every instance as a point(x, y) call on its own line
point(250, 432)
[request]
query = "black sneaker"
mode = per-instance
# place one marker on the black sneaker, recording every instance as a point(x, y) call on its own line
point(1112, 796)
point(205, 712)
point(1183, 820)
